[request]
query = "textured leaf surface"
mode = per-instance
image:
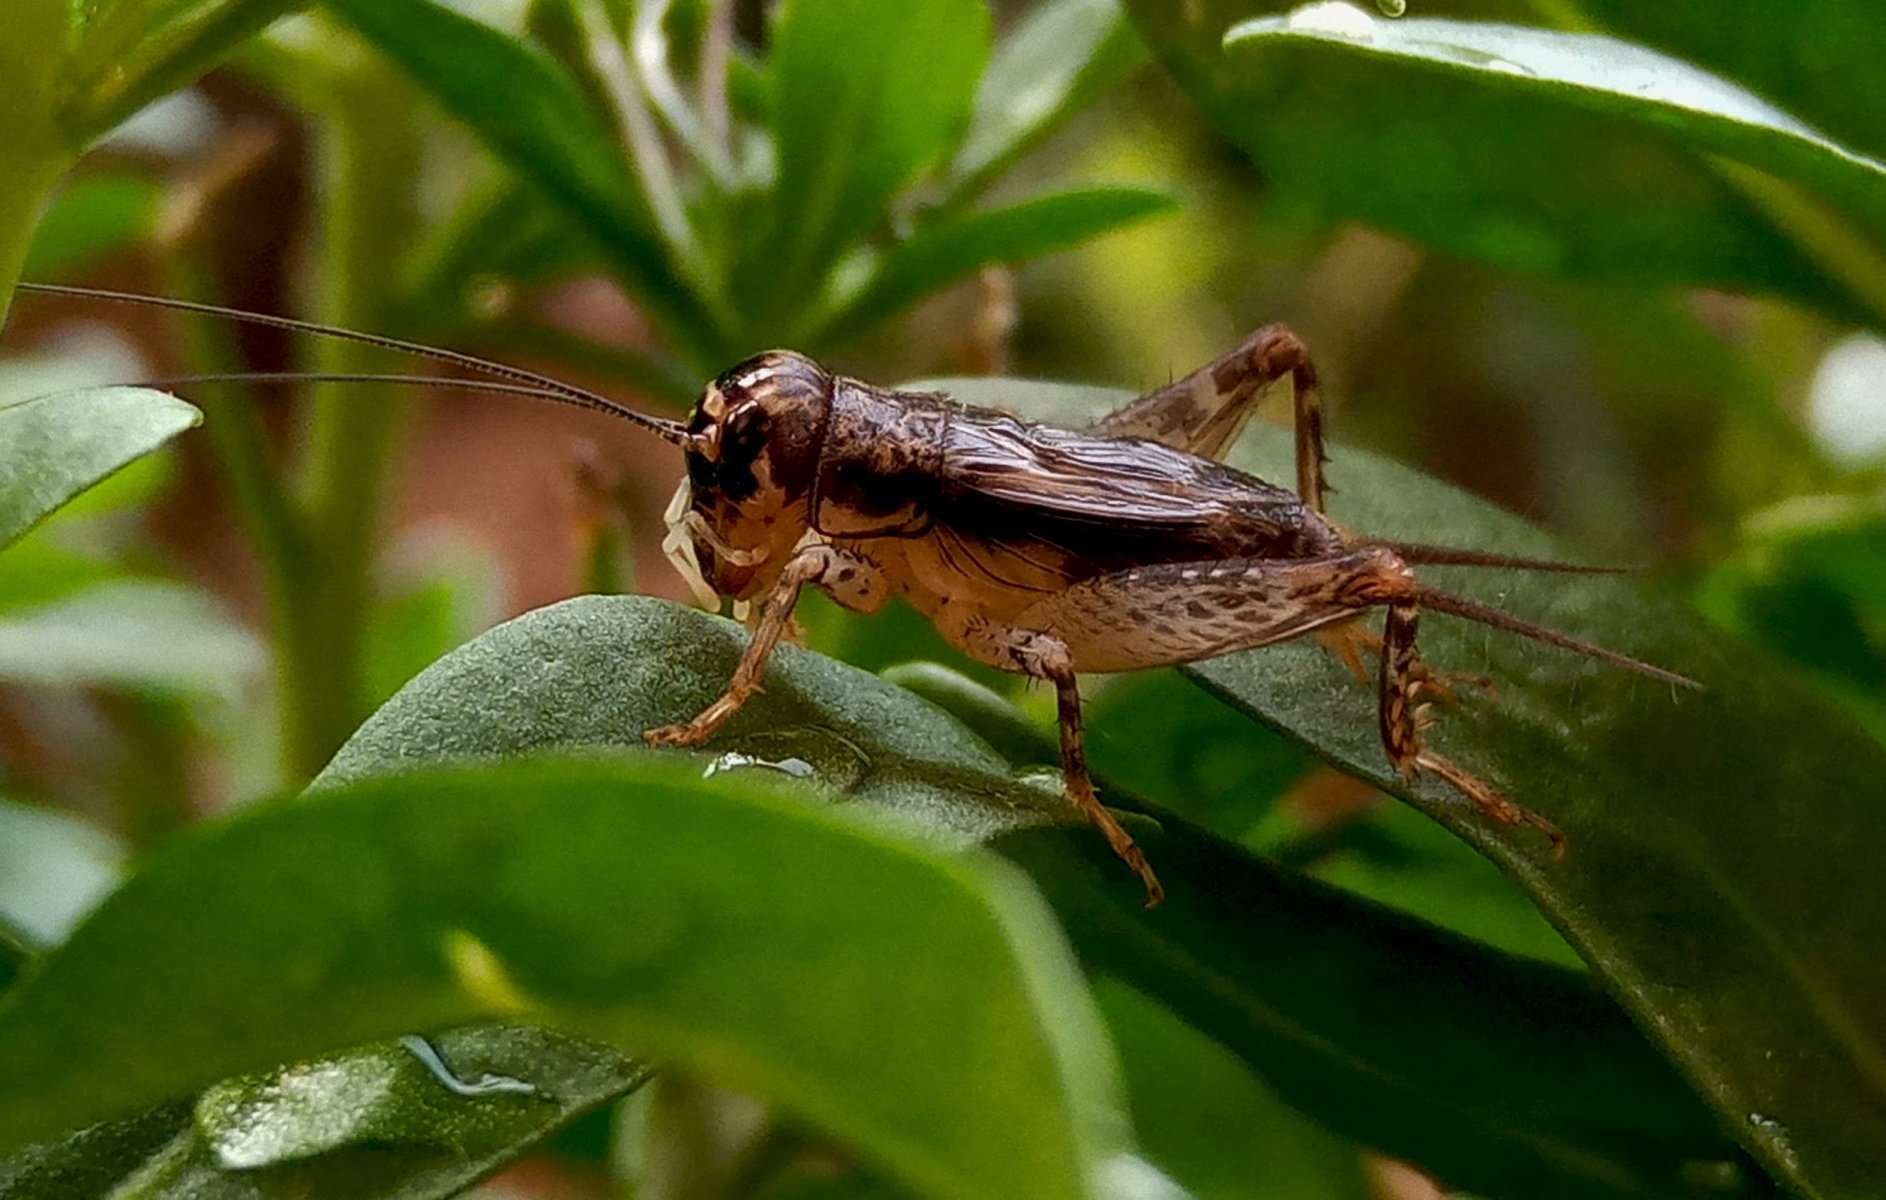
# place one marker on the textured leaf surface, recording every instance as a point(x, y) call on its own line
point(54, 447)
point(424, 900)
point(1722, 844)
point(1487, 1071)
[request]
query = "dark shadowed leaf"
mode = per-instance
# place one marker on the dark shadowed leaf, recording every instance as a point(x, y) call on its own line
point(941, 253)
point(866, 96)
point(571, 893)
point(54, 447)
point(1546, 1072)
point(1722, 843)
point(1459, 134)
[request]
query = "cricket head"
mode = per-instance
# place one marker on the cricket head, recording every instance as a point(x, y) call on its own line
point(752, 453)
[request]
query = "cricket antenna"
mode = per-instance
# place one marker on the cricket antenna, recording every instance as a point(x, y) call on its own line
point(519, 380)
point(1472, 610)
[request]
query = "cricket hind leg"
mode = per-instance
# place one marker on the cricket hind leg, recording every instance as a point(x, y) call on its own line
point(1401, 716)
point(1203, 412)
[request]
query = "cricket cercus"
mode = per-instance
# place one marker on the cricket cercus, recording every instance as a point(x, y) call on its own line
point(1041, 550)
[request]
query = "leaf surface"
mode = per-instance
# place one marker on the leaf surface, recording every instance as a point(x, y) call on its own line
point(1459, 134)
point(572, 892)
point(53, 447)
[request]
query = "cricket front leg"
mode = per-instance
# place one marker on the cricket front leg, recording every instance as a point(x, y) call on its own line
point(1401, 717)
point(853, 581)
point(1204, 412)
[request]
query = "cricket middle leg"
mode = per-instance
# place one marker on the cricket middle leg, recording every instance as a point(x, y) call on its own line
point(1044, 656)
point(1203, 412)
point(852, 581)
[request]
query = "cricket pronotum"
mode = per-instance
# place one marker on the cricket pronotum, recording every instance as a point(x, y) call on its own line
point(1037, 549)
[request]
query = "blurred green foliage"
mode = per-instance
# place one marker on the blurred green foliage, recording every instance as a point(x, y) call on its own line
point(1585, 259)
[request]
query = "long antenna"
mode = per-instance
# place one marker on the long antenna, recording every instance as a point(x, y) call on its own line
point(454, 382)
point(1472, 610)
point(545, 386)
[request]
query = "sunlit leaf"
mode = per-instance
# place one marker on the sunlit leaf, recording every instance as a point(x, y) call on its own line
point(54, 447)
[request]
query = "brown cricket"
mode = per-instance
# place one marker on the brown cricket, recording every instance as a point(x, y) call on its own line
point(1037, 549)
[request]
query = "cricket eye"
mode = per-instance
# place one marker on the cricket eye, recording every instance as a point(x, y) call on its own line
point(701, 472)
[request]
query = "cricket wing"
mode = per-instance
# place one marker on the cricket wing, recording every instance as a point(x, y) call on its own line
point(1108, 502)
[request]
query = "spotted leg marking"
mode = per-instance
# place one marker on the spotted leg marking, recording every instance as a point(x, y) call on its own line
point(851, 580)
point(1204, 412)
point(1402, 719)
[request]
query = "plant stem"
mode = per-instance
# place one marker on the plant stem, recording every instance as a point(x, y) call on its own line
point(353, 433)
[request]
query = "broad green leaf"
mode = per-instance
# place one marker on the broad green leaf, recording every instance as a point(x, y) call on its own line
point(541, 124)
point(1061, 55)
point(1722, 843)
point(941, 253)
point(867, 95)
point(572, 893)
point(148, 636)
point(1813, 57)
point(1538, 1076)
point(53, 870)
point(1459, 134)
point(381, 1123)
point(54, 447)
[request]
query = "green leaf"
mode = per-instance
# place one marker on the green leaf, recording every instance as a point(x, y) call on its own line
point(1458, 134)
point(54, 447)
point(146, 636)
point(1538, 1073)
point(1713, 836)
point(53, 869)
point(380, 1123)
point(95, 217)
point(573, 893)
point(89, 1162)
point(540, 123)
point(941, 253)
point(1813, 57)
point(867, 96)
point(1061, 55)
point(1500, 1075)
point(1187, 1091)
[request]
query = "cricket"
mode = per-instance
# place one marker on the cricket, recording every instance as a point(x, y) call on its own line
point(1044, 551)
